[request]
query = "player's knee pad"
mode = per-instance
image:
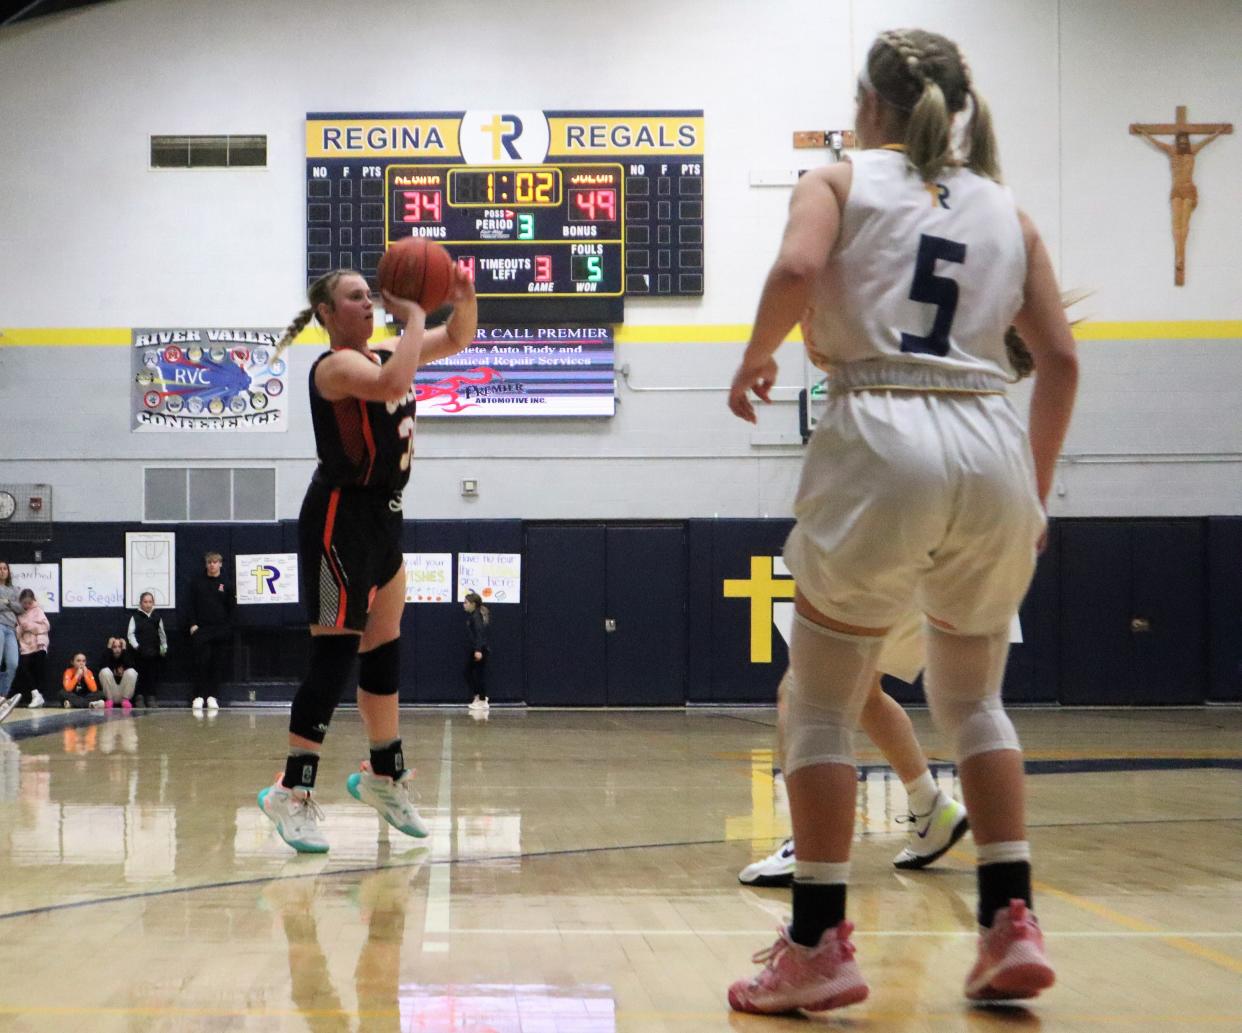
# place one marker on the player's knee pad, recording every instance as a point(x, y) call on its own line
point(832, 674)
point(379, 669)
point(331, 660)
point(963, 683)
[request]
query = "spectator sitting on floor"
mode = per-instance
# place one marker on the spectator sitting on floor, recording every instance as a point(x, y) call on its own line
point(78, 687)
point(118, 677)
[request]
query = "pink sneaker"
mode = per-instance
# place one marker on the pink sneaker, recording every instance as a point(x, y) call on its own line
point(126, 705)
point(806, 978)
point(1011, 963)
point(107, 704)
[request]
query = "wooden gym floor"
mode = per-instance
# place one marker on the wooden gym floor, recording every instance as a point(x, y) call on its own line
point(581, 878)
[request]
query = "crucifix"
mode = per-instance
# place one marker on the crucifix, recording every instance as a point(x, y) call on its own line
point(1185, 195)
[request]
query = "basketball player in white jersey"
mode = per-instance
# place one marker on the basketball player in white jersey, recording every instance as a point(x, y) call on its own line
point(920, 489)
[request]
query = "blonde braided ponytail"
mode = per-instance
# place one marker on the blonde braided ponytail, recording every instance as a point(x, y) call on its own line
point(295, 327)
point(318, 293)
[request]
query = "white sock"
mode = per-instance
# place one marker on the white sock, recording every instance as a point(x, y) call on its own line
point(822, 873)
point(922, 793)
point(1002, 853)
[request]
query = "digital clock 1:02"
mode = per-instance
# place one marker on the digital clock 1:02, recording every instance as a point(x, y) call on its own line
point(539, 187)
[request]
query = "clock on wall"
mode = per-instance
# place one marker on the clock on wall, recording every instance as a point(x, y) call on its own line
point(8, 505)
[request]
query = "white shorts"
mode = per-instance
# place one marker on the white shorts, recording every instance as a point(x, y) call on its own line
point(904, 652)
point(916, 501)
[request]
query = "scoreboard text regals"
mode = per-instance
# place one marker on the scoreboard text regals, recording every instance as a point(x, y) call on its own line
point(558, 215)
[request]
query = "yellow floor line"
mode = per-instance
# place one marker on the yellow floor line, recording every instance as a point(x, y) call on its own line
point(1109, 914)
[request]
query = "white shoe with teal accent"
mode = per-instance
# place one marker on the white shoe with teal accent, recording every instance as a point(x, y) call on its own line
point(6, 705)
point(296, 816)
point(932, 834)
point(391, 797)
point(777, 869)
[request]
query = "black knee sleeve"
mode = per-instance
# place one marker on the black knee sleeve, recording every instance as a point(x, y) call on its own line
point(331, 660)
point(379, 669)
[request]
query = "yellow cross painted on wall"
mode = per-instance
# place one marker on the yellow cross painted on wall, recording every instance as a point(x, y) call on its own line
point(761, 588)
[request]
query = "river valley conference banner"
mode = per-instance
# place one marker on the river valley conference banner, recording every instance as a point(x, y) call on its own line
point(207, 378)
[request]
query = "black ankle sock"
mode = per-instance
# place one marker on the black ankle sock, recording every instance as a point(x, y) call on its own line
point(387, 760)
point(816, 907)
point(300, 770)
point(1001, 883)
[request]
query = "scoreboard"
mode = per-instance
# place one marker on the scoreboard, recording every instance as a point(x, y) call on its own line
point(553, 231)
point(558, 216)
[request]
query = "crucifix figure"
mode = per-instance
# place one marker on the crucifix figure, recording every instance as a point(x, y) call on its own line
point(1185, 195)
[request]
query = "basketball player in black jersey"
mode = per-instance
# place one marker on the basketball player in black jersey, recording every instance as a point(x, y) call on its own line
point(349, 542)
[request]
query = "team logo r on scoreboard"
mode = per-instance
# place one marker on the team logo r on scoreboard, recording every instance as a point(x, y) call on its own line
point(509, 137)
point(504, 129)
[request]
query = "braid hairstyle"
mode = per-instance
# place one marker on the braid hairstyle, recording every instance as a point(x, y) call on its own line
point(925, 79)
point(318, 293)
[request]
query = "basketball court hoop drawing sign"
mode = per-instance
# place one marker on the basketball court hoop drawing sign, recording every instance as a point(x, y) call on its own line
point(151, 566)
point(201, 378)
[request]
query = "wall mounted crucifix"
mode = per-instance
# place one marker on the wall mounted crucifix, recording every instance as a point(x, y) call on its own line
point(1185, 195)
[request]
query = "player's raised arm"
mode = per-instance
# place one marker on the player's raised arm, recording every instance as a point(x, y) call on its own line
point(458, 333)
point(353, 374)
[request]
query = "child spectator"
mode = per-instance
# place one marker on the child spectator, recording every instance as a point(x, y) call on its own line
point(117, 675)
point(32, 640)
point(78, 687)
point(149, 645)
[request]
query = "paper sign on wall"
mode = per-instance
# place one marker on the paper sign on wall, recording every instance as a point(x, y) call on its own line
point(428, 577)
point(496, 576)
point(93, 581)
point(266, 577)
point(151, 566)
point(41, 578)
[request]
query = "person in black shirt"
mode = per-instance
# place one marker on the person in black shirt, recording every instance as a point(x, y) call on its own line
point(149, 643)
point(352, 573)
point(209, 616)
point(118, 677)
point(478, 617)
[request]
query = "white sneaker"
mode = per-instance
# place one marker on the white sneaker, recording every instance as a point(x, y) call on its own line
point(36, 700)
point(212, 704)
point(97, 704)
point(391, 797)
point(932, 834)
point(197, 704)
point(777, 869)
point(476, 704)
point(6, 705)
point(296, 816)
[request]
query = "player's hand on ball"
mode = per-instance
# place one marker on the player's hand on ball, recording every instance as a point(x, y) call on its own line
point(402, 309)
point(461, 290)
point(752, 375)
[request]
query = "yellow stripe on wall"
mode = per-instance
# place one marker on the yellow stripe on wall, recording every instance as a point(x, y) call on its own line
point(1178, 330)
point(51, 336)
point(681, 333)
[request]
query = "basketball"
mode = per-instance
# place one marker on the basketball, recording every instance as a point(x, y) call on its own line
point(418, 271)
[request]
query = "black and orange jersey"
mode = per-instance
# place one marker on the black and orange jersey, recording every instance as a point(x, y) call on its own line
point(362, 444)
